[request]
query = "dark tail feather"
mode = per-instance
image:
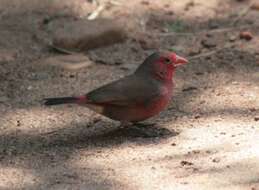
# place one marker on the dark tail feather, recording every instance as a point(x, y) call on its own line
point(61, 100)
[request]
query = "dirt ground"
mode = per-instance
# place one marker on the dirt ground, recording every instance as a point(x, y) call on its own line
point(208, 138)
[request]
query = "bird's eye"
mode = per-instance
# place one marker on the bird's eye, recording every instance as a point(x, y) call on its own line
point(167, 61)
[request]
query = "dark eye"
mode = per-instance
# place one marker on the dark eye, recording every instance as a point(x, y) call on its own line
point(167, 61)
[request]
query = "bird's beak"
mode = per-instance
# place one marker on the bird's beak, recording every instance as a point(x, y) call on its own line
point(180, 61)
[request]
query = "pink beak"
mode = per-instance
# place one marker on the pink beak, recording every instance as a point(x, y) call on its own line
point(180, 61)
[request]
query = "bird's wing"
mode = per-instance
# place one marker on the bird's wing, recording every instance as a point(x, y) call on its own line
point(128, 91)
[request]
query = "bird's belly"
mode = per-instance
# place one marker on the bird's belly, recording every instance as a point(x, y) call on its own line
point(152, 109)
point(137, 112)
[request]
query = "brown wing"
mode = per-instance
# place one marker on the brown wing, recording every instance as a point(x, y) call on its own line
point(128, 91)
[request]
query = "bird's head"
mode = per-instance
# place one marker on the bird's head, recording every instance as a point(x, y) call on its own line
point(161, 65)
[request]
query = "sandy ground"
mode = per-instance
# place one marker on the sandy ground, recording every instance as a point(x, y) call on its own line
point(206, 139)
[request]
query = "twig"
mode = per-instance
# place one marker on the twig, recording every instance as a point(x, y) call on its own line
point(50, 132)
point(174, 34)
point(210, 52)
point(62, 50)
point(243, 13)
point(194, 33)
point(204, 54)
point(218, 30)
point(96, 12)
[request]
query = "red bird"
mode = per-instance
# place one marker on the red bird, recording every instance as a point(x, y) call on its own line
point(136, 97)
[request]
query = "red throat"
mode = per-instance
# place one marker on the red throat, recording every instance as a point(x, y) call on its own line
point(164, 72)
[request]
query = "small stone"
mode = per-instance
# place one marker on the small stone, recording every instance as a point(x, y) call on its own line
point(170, 13)
point(232, 38)
point(70, 62)
point(189, 5)
point(252, 109)
point(173, 144)
point(18, 124)
point(216, 160)
point(255, 6)
point(199, 73)
point(211, 151)
point(197, 116)
point(145, 2)
point(209, 43)
point(256, 118)
point(246, 35)
point(194, 51)
point(202, 102)
point(186, 163)
point(166, 5)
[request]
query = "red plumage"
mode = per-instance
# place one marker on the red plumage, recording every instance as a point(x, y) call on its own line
point(136, 97)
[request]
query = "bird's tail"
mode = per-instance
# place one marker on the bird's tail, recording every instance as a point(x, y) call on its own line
point(63, 100)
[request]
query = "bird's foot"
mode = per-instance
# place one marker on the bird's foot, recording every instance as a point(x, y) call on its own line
point(144, 130)
point(138, 124)
point(150, 130)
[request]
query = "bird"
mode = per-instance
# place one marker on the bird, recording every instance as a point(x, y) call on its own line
point(136, 97)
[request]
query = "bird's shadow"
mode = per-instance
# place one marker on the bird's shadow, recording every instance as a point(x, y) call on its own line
point(141, 130)
point(105, 133)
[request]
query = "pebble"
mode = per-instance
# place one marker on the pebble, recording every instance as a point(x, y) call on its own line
point(186, 163)
point(246, 35)
point(232, 38)
point(209, 43)
point(255, 6)
point(216, 160)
